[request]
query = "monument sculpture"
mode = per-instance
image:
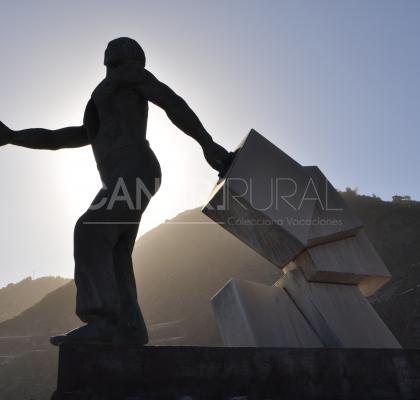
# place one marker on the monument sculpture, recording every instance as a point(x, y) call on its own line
point(114, 124)
point(321, 332)
point(293, 216)
point(287, 212)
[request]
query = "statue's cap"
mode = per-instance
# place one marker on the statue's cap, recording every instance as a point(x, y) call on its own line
point(123, 48)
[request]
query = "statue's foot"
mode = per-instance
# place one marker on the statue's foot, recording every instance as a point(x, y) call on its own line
point(131, 335)
point(94, 332)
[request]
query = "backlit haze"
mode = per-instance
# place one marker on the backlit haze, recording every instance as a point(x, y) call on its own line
point(332, 83)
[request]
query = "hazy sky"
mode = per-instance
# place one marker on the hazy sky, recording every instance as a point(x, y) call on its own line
point(332, 83)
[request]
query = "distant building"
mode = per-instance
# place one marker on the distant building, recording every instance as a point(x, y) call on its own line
point(401, 199)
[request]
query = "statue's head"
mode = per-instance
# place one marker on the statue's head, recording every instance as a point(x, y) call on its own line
point(123, 49)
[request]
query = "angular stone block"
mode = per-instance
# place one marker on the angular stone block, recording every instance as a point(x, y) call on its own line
point(332, 219)
point(257, 315)
point(258, 196)
point(269, 201)
point(350, 261)
point(339, 314)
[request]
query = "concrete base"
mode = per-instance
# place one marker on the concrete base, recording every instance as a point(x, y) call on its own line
point(104, 372)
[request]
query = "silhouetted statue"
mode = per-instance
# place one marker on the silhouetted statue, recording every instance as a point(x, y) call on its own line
point(114, 124)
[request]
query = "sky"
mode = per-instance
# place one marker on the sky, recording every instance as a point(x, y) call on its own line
point(332, 83)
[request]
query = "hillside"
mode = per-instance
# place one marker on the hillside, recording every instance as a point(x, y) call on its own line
point(180, 264)
point(17, 297)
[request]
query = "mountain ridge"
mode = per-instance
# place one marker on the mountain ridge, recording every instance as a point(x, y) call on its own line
point(17, 297)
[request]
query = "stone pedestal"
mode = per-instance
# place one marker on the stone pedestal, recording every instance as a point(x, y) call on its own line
point(103, 372)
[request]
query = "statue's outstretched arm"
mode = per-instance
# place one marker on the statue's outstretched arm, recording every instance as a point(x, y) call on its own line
point(45, 139)
point(184, 118)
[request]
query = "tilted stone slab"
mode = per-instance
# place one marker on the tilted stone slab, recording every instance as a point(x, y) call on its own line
point(252, 227)
point(259, 197)
point(267, 200)
point(339, 314)
point(350, 261)
point(257, 315)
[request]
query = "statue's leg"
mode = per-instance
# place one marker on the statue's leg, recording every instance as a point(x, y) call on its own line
point(131, 324)
point(132, 327)
point(97, 297)
point(97, 289)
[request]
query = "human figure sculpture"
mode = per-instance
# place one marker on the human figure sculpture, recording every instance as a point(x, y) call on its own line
point(114, 124)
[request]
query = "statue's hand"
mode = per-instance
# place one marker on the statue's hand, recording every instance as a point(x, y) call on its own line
point(217, 157)
point(5, 134)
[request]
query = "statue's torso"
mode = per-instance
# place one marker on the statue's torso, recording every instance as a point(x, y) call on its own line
point(116, 115)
